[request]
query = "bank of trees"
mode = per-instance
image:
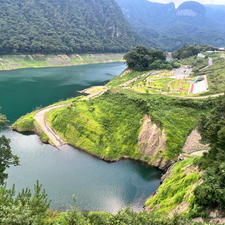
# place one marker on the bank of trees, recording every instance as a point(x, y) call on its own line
point(211, 193)
point(74, 26)
point(141, 58)
point(190, 50)
point(7, 158)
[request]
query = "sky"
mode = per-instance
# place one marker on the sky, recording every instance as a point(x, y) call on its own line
point(178, 2)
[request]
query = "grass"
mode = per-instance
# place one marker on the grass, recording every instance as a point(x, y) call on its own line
point(115, 82)
point(215, 75)
point(104, 126)
point(28, 123)
point(177, 188)
point(195, 62)
point(177, 116)
point(180, 87)
point(10, 62)
point(108, 126)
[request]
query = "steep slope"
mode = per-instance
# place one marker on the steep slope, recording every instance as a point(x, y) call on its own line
point(69, 26)
point(190, 23)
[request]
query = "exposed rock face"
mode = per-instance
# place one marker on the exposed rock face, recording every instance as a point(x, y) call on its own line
point(152, 143)
point(193, 147)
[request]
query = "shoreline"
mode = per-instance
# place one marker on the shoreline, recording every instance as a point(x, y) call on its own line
point(90, 153)
point(75, 148)
point(10, 61)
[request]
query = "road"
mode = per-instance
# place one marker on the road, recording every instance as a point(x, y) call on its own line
point(41, 120)
point(210, 63)
point(200, 97)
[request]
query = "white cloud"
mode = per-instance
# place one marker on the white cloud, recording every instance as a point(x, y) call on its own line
point(178, 2)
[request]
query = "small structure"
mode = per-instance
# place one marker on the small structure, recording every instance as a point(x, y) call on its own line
point(199, 85)
point(200, 55)
point(221, 49)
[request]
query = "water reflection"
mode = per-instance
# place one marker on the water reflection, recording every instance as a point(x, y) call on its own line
point(96, 184)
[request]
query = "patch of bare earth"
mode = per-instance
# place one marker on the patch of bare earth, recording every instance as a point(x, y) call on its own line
point(58, 59)
point(152, 143)
point(217, 217)
point(193, 146)
point(125, 73)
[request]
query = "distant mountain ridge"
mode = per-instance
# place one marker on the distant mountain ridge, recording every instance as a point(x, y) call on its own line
point(68, 26)
point(171, 27)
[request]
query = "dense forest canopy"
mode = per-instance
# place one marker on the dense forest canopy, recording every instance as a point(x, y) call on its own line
point(171, 27)
point(69, 26)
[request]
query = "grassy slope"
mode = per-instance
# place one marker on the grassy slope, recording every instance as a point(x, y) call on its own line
point(177, 188)
point(216, 76)
point(10, 62)
point(108, 126)
point(104, 126)
point(195, 62)
point(27, 123)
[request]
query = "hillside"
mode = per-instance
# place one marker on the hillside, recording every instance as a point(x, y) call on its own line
point(70, 26)
point(171, 28)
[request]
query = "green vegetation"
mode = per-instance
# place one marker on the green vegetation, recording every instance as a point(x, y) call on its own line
point(171, 28)
point(210, 194)
point(104, 126)
point(215, 75)
point(24, 208)
point(108, 127)
point(124, 77)
point(177, 189)
point(195, 62)
point(28, 124)
point(28, 209)
point(9, 62)
point(74, 26)
point(7, 158)
point(141, 59)
point(188, 51)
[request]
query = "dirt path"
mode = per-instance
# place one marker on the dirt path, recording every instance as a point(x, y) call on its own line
point(40, 119)
point(200, 97)
point(210, 63)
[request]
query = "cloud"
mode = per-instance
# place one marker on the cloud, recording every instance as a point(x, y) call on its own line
point(178, 2)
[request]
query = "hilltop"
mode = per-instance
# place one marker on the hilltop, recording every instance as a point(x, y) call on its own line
point(171, 27)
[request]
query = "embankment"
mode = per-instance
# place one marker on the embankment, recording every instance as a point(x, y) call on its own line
point(12, 62)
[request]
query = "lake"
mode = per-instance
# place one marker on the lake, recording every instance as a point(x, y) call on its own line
point(96, 184)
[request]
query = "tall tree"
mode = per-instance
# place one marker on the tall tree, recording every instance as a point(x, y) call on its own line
point(7, 158)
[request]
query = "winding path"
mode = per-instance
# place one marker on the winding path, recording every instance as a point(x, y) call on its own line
point(197, 97)
point(41, 120)
point(210, 63)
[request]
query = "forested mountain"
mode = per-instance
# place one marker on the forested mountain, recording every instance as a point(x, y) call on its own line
point(190, 23)
point(64, 26)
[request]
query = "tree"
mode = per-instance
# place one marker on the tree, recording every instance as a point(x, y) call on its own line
point(7, 158)
point(141, 58)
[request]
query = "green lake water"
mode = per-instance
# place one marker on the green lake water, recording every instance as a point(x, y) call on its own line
point(97, 185)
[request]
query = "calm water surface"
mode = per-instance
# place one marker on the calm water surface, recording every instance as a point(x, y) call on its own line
point(97, 185)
